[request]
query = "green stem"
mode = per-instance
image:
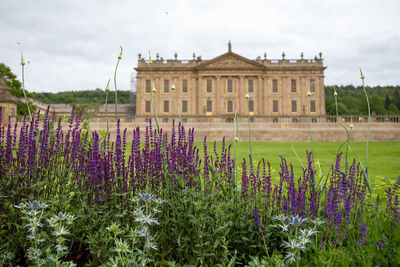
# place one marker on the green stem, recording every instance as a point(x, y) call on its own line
point(177, 108)
point(115, 85)
point(311, 139)
point(23, 86)
point(369, 122)
point(152, 96)
point(235, 140)
point(248, 121)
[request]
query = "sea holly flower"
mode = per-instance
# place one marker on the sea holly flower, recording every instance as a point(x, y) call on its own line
point(297, 221)
point(146, 197)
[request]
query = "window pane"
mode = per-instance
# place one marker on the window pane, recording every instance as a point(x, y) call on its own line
point(166, 106)
point(184, 106)
point(312, 85)
point(209, 86)
point(184, 86)
point(275, 86)
point(312, 106)
point(275, 106)
point(230, 106)
point(148, 89)
point(293, 86)
point(166, 86)
point(250, 90)
point(209, 106)
point(294, 106)
point(251, 106)
point(229, 86)
point(147, 106)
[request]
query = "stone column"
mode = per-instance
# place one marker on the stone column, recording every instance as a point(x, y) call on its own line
point(240, 96)
point(260, 97)
point(321, 92)
point(218, 93)
point(198, 94)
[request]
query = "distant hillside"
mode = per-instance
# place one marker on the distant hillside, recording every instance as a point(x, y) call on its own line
point(351, 100)
point(97, 96)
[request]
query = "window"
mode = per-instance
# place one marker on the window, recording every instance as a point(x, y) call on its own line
point(229, 120)
point(166, 106)
point(184, 86)
point(293, 86)
point(275, 120)
point(209, 106)
point(166, 86)
point(294, 106)
point(147, 106)
point(250, 89)
point(209, 86)
point(312, 86)
point(165, 119)
point(230, 106)
point(274, 86)
point(148, 86)
point(229, 89)
point(275, 106)
point(184, 106)
point(251, 106)
point(312, 106)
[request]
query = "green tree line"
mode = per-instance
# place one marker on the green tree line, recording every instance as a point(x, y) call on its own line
point(351, 100)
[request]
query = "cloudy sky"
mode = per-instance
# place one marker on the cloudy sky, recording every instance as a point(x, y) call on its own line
point(74, 44)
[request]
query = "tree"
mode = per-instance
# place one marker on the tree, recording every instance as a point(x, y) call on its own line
point(16, 89)
point(387, 101)
point(12, 81)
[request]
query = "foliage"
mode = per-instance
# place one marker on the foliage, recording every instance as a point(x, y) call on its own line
point(96, 96)
point(353, 102)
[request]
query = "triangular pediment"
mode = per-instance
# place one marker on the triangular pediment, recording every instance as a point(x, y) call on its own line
point(231, 60)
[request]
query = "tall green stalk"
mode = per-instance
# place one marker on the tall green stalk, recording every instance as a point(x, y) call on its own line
point(107, 91)
point(177, 108)
point(235, 140)
point(115, 84)
point(369, 120)
point(248, 121)
point(23, 85)
point(309, 118)
point(152, 96)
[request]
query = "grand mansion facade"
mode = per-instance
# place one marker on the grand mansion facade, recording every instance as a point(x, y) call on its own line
point(217, 87)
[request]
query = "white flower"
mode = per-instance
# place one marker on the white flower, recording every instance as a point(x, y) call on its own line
point(247, 96)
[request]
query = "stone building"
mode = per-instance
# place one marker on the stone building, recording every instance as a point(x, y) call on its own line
point(217, 87)
point(8, 102)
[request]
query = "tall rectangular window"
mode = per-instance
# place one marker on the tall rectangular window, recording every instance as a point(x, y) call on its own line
point(209, 106)
point(250, 89)
point(275, 106)
point(147, 107)
point(312, 86)
point(230, 106)
point(312, 106)
point(294, 106)
point(229, 89)
point(209, 86)
point(274, 86)
point(166, 106)
point(166, 86)
point(251, 106)
point(293, 86)
point(184, 86)
point(184, 106)
point(148, 89)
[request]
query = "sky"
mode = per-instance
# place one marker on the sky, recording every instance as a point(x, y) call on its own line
point(74, 44)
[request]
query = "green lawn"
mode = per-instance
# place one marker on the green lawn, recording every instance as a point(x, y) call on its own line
point(384, 157)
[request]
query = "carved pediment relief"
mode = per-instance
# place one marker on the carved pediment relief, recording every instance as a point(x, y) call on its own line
point(229, 61)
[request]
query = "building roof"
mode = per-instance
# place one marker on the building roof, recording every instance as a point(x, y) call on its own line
point(5, 93)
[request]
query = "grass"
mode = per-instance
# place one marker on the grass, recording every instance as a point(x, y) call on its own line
point(384, 157)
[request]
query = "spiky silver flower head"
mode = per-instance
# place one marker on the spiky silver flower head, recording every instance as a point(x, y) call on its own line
point(351, 126)
point(247, 96)
point(147, 197)
point(173, 87)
